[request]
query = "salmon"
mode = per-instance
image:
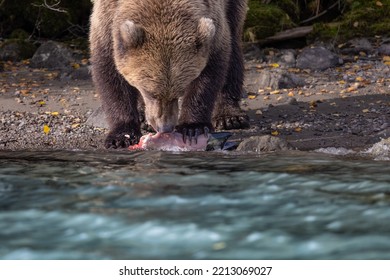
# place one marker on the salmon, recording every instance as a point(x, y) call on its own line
point(173, 141)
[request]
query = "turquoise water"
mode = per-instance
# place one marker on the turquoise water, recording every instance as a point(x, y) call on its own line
point(206, 205)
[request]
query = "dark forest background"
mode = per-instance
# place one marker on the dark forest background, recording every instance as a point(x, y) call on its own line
point(337, 20)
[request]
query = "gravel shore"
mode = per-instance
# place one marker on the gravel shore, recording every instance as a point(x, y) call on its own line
point(345, 106)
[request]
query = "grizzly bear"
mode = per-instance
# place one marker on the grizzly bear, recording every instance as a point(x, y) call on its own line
point(181, 59)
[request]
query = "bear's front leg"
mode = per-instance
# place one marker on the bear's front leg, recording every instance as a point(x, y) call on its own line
point(119, 101)
point(198, 102)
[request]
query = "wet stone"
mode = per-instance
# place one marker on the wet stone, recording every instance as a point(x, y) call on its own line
point(266, 143)
point(278, 79)
point(317, 58)
point(384, 49)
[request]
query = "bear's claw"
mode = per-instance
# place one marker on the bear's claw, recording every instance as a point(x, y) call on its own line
point(121, 140)
point(192, 132)
point(232, 122)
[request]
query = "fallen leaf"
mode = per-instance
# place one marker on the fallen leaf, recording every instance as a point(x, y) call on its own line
point(251, 96)
point(24, 91)
point(298, 129)
point(351, 89)
point(46, 129)
point(54, 113)
point(359, 79)
point(275, 92)
point(274, 65)
point(365, 110)
point(379, 3)
point(275, 133)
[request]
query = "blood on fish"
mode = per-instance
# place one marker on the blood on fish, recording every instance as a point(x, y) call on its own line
point(169, 142)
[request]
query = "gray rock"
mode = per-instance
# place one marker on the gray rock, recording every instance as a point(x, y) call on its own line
point(16, 50)
point(287, 58)
point(290, 80)
point(355, 46)
point(317, 58)
point(266, 143)
point(52, 55)
point(384, 49)
point(277, 79)
point(98, 119)
point(83, 73)
point(381, 150)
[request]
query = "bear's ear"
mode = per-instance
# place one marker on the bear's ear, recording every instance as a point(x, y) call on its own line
point(132, 35)
point(206, 30)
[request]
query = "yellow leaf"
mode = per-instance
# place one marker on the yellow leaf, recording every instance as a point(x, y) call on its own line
point(54, 113)
point(275, 133)
point(24, 91)
point(42, 103)
point(298, 129)
point(291, 94)
point(46, 129)
point(251, 96)
point(386, 58)
point(359, 79)
point(387, 63)
point(76, 66)
point(274, 65)
point(275, 92)
point(365, 110)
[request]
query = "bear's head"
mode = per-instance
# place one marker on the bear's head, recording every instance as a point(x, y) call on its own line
point(161, 58)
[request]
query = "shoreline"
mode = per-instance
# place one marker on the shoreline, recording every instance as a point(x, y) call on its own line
point(347, 106)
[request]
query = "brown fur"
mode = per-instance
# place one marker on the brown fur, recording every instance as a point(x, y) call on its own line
point(181, 56)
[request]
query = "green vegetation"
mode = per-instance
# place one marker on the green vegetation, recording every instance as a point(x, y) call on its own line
point(264, 20)
point(332, 20)
point(364, 18)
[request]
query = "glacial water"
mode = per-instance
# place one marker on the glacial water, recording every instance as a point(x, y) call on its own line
point(204, 205)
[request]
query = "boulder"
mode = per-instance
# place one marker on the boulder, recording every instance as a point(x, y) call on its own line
point(317, 58)
point(16, 50)
point(384, 49)
point(265, 143)
point(52, 55)
point(278, 79)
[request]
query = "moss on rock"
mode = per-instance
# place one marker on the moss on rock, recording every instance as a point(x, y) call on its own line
point(364, 18)
point(264, 20)
point(16, 49)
